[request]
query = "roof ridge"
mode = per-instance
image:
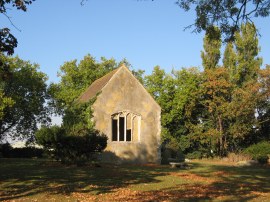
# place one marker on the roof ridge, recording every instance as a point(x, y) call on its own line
point(97, 86)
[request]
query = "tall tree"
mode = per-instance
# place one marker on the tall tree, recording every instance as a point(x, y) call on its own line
point(155, 82)
point(216, 93)
point(186, 111)
point(229, 59)
point(242, 114)
point(27, 94)
point(162, 87)
point(177, 94)
point(161, 91)
point(228, 15)
point(247, 50)
point(263, 107)
point(211, 44)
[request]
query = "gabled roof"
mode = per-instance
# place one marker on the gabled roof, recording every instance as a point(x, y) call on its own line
point(96, 87)
point(99, 84)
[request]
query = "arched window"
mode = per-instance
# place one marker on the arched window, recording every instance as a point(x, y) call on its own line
point(126, 127)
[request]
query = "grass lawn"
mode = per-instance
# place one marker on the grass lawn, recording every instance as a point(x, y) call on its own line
point(41, 180)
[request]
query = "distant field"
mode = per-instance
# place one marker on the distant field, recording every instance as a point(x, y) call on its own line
point(41, 180)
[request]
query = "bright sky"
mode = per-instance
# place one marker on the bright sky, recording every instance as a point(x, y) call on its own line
point(146, 33)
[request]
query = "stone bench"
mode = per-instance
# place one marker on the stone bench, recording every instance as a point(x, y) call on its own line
point(178, 164)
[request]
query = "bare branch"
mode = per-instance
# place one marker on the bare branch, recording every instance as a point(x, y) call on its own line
point(11, 22)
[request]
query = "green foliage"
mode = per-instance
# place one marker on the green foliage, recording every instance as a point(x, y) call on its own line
point(5, 102)
point(227, 15)
point(229, 60)
point(70, 148)
point(178, 95)
point(247, 49)
point(211, 44)
point(80, 149)
point(23, 91)
point(49, 137)
point(259, 151)
point(263, 106)
point(75, 78)
point(155, 83)
point(78, 117)
point(161, 86)
point(186, 109)
point(213, 112)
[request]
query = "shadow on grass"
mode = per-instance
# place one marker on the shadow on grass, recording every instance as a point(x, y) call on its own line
point(216, 183)
point(206, 181)
point(26, 177)
point(232, 182)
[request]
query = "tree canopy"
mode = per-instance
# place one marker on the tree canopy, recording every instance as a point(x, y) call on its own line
point(223, 108)
point(228, 15)
point(23, 92)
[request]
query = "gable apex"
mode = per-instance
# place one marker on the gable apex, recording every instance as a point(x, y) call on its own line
point(100, 83)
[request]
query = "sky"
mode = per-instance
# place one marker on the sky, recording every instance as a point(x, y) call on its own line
point(146, 33)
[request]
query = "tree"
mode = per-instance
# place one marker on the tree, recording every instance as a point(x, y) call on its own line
point(247, 49)
point(5, 102)
point(242, 114)
point(75, 78)
point(177, 94)
point(186, 110)
point(5, 75)
point(229, 60)
point(263, 106)
point(7, 41)
point(211, 44)
point(228, 15)
point(24, 97)
point(161, 86)
point(216, 90)
point(154, 82)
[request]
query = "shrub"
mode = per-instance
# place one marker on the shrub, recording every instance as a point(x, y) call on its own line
point(79, 149)
point(26, 152)
point(7, 151)
point(71, 149)
point(259, 151)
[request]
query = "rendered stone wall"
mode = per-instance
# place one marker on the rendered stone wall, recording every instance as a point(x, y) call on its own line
point(124, 92)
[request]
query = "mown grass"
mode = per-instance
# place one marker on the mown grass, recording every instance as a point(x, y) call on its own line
point(42, 180)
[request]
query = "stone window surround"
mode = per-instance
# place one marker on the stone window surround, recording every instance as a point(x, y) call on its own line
point(124, 114)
